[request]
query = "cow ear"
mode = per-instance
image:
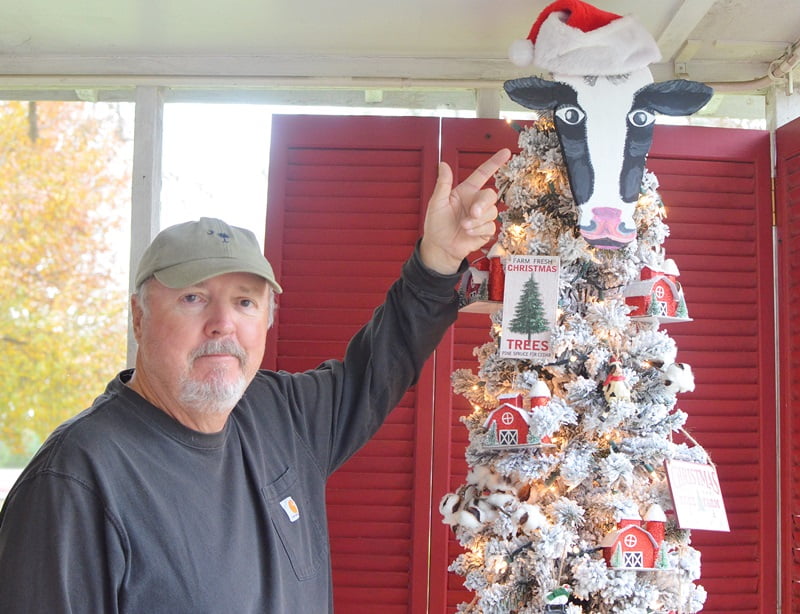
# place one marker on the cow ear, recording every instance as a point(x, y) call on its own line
point(539, 94)
point(676, 97)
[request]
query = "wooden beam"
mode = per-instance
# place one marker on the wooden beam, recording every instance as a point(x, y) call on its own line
point(681, 26)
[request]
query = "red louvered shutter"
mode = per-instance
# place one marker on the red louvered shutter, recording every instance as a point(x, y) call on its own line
point(345, 202)
point(716, 186)
point(788, 222)
point(324, 226)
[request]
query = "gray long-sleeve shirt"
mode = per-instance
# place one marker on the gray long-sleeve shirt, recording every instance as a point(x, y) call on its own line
point(124, 510)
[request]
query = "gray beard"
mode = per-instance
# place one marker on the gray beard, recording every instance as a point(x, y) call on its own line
point(214, 396)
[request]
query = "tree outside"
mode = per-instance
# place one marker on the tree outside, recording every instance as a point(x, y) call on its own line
point(65, 172)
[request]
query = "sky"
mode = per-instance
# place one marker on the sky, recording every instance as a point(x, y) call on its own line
point(214, 164)
point(215, 160)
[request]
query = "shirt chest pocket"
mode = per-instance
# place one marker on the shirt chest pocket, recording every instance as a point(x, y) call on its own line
point(293, 518)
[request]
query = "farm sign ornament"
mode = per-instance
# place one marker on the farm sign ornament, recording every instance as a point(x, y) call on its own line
point(604, 103)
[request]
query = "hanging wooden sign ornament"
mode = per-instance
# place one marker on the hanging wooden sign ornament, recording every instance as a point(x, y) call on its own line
point(530, 300)
point(697, 496)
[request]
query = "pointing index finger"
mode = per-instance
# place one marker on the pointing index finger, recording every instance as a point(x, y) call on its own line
point(487, 169)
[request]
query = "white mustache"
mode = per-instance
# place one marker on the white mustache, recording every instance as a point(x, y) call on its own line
point(224, 346)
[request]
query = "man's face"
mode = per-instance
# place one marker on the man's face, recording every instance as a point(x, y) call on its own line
point(199, 347)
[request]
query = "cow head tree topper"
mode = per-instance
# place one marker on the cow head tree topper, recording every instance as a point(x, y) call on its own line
point(604, 102)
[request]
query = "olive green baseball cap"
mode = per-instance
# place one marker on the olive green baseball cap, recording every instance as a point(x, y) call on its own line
point(188, 253)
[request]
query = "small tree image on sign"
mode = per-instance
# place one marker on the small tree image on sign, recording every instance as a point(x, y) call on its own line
point(529, 315)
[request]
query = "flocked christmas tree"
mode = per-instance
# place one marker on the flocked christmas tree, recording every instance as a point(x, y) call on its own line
point(548, 529)
point(584, 521)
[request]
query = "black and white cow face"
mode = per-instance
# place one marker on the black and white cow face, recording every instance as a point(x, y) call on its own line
point(605, 126)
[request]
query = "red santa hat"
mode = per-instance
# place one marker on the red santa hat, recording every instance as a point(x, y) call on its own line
point(571, 37)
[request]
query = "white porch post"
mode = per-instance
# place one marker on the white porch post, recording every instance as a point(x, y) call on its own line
point(146, 184)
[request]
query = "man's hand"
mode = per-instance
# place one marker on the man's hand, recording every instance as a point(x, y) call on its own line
point(460, 220)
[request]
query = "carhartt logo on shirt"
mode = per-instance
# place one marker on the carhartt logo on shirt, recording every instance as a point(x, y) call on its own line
point(291, 509)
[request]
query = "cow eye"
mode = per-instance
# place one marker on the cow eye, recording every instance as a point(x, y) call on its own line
point(570, 115)
point(641, 118)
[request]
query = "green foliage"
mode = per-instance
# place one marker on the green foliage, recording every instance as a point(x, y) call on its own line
point(63, 314)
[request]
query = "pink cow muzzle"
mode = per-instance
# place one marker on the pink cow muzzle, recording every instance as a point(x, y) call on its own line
point(606, 230)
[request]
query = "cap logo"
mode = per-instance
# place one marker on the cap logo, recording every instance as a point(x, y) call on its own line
point(222, 235)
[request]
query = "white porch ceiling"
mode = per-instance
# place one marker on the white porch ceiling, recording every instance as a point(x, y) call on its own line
point(401, 52)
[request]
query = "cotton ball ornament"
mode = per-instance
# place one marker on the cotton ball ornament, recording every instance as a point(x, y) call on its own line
point(484, 511)
point(449, 508)
point(530, 518)
point(467, 509)
point(484, 478)
point(502, 501)
point(459, 508)
point(469, 519)
point(678, 377)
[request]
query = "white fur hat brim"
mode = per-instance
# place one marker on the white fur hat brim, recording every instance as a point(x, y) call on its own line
point(620, 47)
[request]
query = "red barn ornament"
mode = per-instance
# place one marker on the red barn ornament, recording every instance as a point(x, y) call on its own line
point(657, 295)
point(634, 545)
point(508, 424)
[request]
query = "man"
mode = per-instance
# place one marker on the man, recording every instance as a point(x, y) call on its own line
point(196, 482)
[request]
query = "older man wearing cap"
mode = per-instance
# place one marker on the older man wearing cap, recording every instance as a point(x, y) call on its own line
point(196, 482)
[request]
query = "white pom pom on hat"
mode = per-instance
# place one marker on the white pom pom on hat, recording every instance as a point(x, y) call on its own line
point(572, 37)
point(520, 52)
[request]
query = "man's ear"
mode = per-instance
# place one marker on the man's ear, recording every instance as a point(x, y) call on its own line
point(136, 316)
